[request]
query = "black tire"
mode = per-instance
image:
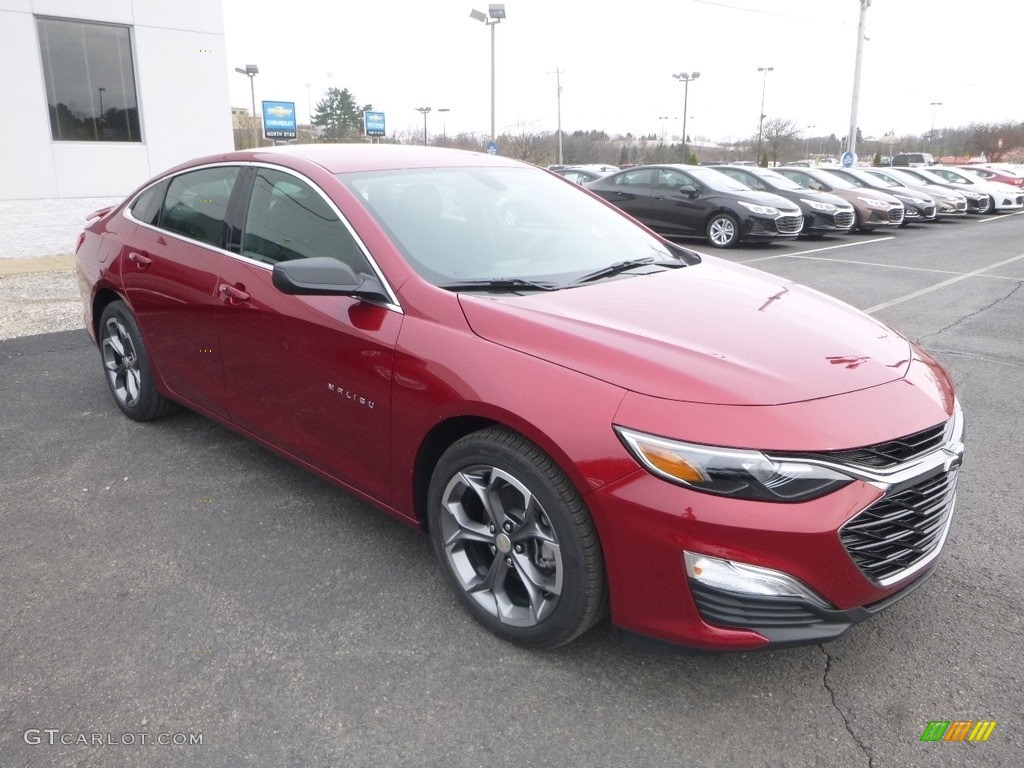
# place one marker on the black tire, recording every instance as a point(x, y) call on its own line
point(723, 231)
point(526, 563)
point(126, 365)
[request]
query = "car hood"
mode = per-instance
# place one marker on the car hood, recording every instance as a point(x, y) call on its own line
point(713, 333)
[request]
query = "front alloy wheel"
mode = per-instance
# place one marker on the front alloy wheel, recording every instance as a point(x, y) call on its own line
point(723, 231)
point(515, 540)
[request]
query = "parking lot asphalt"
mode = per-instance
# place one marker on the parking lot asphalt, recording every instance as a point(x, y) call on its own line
point(174, 579)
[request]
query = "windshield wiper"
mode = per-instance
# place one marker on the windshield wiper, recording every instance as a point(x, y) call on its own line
point(509, 284)
point(625, 266)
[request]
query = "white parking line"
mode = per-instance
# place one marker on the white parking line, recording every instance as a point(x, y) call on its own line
point(818, 250)
point(943, 284)
point(901, 266)
point(1000, 217)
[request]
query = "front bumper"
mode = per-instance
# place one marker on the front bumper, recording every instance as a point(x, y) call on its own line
point(856, 550)
point(786, 622)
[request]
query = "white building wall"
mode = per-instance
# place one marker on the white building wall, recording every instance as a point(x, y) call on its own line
point(46, 186)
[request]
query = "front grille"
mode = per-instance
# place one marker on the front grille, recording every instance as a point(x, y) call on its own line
point(1020, 199)
point(844, 219)
point(896, 215)
point(900, 530)
point(749, 611)
point(891, 453)
point(789, 225)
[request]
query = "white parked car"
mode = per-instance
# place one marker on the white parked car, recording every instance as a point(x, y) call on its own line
point(1004, 197)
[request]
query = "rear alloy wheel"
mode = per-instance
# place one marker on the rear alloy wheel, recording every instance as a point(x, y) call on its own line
point(723, 231)
point(515, 540)
point(127, 366)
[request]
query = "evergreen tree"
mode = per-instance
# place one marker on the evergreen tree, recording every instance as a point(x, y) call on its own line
point(338, 117)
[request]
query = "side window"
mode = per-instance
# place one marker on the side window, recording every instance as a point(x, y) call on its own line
point(196, 203)
point(641, 178)
point(673, 180)
point(146, 207)
point(288, 219)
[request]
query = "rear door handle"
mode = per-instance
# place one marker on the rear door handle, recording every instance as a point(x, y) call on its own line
point(139, 260)
point(233, 294)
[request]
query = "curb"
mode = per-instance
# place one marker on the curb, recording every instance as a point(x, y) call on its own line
point(61, 262)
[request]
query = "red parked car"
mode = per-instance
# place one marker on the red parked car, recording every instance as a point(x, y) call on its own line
point(583, 416)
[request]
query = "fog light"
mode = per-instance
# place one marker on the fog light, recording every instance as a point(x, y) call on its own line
point(746, 579)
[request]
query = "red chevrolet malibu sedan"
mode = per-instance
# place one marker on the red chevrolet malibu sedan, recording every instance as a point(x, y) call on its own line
point(583, 416)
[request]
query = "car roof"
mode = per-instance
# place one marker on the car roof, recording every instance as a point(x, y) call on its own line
point(349, 158)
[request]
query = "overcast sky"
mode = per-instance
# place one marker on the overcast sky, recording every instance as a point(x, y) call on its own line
point(617, 62)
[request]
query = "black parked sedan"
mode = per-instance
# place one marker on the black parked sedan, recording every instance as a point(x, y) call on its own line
point(823, 213)
point(688, 200)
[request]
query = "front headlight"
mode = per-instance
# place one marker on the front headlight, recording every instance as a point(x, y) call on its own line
point(732, 472)
point(827, 207)
point(873, 203)
point(763, 210)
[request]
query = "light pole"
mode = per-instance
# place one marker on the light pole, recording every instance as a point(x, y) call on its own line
point(663, 118)
point(760, 122)
point(807, 140)
point(251, 70)
point(444, 126)
point(495, 13)
point(685, 78)
point(424, 111)
point(931, 134)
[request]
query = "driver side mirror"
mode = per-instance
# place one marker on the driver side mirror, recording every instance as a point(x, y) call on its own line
point(324, 276)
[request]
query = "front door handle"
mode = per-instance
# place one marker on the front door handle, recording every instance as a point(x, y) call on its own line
point(139, 260)
point(232, 293)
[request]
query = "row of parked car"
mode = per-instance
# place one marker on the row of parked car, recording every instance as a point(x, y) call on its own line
point(728, 204)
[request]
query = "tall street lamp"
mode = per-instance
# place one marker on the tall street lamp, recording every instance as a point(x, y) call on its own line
point(760, 122)
point(424, 111)
point(685, 78)
point(251, 70)
point(495, 13)
point(444, 126)
point(807, 140)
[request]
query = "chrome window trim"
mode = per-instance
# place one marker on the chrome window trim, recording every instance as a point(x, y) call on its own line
point(392, 304)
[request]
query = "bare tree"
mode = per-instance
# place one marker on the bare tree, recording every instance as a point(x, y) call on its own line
point(781, 137)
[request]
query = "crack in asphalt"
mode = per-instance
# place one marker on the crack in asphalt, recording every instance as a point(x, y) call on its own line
point(963, 319)
point(835, 705)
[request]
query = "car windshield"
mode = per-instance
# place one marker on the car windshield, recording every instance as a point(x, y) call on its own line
point(780, 181)
point(904, 178)
point(500, 225)
point(836, 182)
point(882, 180)
point(716, 180)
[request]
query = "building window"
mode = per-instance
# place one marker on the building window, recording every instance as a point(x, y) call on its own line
point(90, 81)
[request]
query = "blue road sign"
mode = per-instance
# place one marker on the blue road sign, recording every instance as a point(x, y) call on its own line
point(279, 119)
point(492, 147)
point(849, 159)
point(373, 123)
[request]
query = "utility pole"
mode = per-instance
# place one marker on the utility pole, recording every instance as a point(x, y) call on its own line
point(558, 80)
point(851, 137)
